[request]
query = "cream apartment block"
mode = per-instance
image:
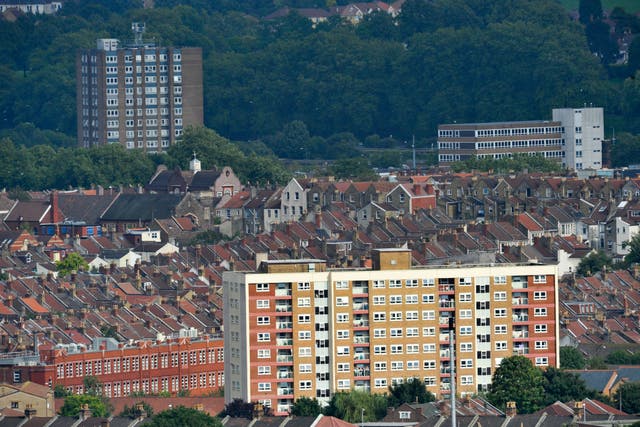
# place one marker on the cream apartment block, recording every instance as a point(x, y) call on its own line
point(295, 328)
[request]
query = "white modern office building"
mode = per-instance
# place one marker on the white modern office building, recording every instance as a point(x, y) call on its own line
point(583, 132)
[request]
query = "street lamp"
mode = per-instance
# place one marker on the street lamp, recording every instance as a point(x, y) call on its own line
point(362, 416)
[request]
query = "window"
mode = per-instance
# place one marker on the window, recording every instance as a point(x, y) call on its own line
point(540, 329)
point(428, 298)
point(305, 286)
point(428, 332)
point(342, 334)
point(342, 301)
point(413, 348)
point(379, 349)
point(501, 345)
point(395, 316)
point(395, 283)
point(344, 384)
point(541, 345)
point(262, 287)
point(466, 297)
point(412, 315)
point(395, 332)
point(379, 316)
point(264, 337)
point(379, 300)
point(380, 366)
point(397, 349)
point(540, 295)
point(264, 370)
point(466, 363)
point(412, 332)
point(411, 283)
point(380, 333)
point(413, 365)
point(304, 335)
point(397, 365)
point(499, 280)
point(304, 318)
point(428, 315)
point(466, 330)
point(264, 320)
point(429, 364)
point(343, 367)
point(429, 348)
point(500, 329)
point(264, 386)
point(342, 284)
point(466, 347)
point(305, 368)
point(304, 351)
point(500, 312)
point(395, 299)
point(428, 282)
point(405, 415)
point(500, 296)
point(465, 314)
point(305, 385)
point(539, 312)
point(342, 317)
point(264, 354)
point(378, 284)
point(411, 299)
point(542, 361)
point(466, 379)
point(539, 278)
point(343, 350)
point(380, 383)
point(304, 302)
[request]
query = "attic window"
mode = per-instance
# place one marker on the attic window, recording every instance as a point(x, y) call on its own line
point(405, 415)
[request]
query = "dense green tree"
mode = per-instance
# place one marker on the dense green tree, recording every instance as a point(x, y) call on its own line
point(306, 407)
point(563, 386)
point(594, 262)
point(356, 406)
point(72, 262)
point(623, 357)
point(596, 362)
point(517, 380)
point(357, 169)
point(571, 358)
point(92, 386)
point(134, 411)
point(629, 394)
point(626, 149)
point(590, 10)
point(633, 63)
point(73, 404)
point(412, 391)
point(239, 408)
point(634, 250)
point(182, 416)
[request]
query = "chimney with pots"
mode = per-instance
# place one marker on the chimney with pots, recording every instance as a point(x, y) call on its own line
point(512, 410)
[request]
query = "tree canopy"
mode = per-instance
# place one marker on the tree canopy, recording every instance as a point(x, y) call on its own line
point(306, 407)
point(517, 380)
point(72, 262)
point(571, 358)
point(412, 391)
point(181, 416)
point(356, 406)
point(74, 402)
point(563, 386)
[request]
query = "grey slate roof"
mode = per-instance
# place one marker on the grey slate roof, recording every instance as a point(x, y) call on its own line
point(141, 207)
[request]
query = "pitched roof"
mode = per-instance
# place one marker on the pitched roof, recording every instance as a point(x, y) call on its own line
point(141, 207)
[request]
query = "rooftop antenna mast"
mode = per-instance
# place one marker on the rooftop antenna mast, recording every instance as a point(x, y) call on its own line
point(413, 148)
point(138, 32)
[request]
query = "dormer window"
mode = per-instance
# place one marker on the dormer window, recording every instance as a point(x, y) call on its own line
point(405, 415)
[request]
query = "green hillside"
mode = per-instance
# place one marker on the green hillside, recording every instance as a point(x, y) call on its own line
point(631, 6)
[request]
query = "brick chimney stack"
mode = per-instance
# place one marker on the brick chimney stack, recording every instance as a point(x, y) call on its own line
point(512, 410)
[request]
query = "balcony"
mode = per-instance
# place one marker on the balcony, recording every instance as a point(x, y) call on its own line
point(443, 321)
point(361, 372)
point(285, 391)
point(284, 341)
point(520, 334)
point(444, 337)
point(285, 375)
point(519, 285)
point(520, 301)
point(283, 292)
point(360, 290)
point(361, 323)
point(445, 353)
point(283, 308)
point(363, 306)
point(524, 317)
point(447, 304)
point(521, 351)
point(284, 325)
point(361, 356)
point(361, 339)
point(285, 358)
point(446, 288)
